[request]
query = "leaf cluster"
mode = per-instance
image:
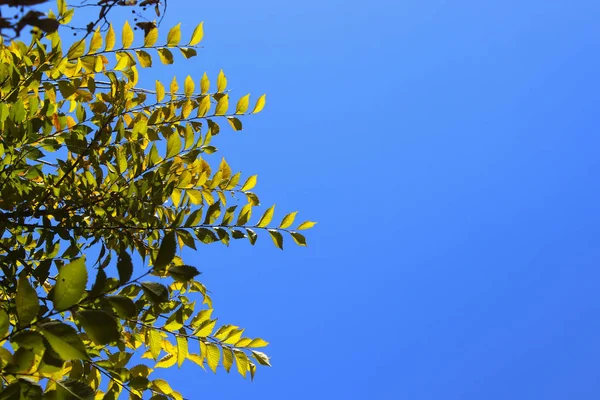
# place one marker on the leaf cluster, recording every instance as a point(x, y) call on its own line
point(91, 164)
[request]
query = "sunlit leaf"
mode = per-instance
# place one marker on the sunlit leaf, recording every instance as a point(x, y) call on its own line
point(70, 284)
point(126, 35)
point(197, 34)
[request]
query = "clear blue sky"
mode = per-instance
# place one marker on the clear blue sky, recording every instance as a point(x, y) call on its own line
point(450, 151)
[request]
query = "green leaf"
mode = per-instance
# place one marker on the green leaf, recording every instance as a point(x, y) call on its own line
point(213, 355)
point(298, 238)
point(99, 284)
point(235, 123)
point(188, 52)
point(166, 253)
point(70, 284)
point(267, 217)
point(64, 340)
point(27, 302)
point(127, 35)
point(197, 34)
point(306, 225)
point(156, 292)
point(4, 323)
point(221, 82)
point(11, 392)
point(183, 273)
point(260, 104)
point(125, 267)
point(124, 306)
point(242, 104)
point(288, 220)
point(22, 361)
point(250, 183)
point(277, 238)
point(173, 145)
point(74, 389)
point(100, 326)
point(174, 35)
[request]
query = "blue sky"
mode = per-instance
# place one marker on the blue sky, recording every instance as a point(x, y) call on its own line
point(449, 152)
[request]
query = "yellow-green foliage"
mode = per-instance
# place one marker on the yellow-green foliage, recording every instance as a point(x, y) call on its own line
point(95, 173)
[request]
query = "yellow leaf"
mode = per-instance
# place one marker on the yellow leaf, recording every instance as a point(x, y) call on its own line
point(155, 339)
point(197, 35)
point(160, 91)
point(306, 225)
point(182, 350)
point(235, 123)
point(62, 6)
point(188, 86)
point(227, 358)
point(267, 217)
point(243, 342)
point(250, 183)
point(174, 35)
point(241, 361)
point(242, 104)
point(122, 63)
point(196, 358)
point(174, 86)
point(77, 49)
point(96, 41)
point(221, 82)
point(204, 84)
point(151, 37)
point(144, 58)
point(205, 329)
point(126, 35)
point(244, 215)
point(222, 105)
point(204, 106)
point(195, 196)
point(186, 109)
point(288, 220)
point(161, 386)
point(213, 355)
point(258, 343)
point(260, 104)
point(167, 361)
point(165, 55)
point(110, 39)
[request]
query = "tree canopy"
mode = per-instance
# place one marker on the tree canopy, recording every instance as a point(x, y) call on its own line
point(102, 184)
